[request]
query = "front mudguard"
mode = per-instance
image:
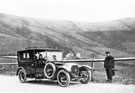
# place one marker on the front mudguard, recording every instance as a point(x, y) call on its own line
point(84, 67)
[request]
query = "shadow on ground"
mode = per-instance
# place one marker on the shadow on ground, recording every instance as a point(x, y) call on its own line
point(48, 82)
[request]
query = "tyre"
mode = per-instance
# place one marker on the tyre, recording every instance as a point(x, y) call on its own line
point(49, 70)
point(22, 76)
point(85, 76)
point(63, 78)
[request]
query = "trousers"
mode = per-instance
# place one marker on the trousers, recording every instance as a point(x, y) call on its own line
point(109, 73)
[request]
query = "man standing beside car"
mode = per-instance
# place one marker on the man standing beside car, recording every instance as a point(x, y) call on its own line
point(109, 65)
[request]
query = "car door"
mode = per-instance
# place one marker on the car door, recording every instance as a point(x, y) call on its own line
point(30, 62)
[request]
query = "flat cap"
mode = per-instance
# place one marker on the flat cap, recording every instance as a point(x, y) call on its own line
point(107, 52)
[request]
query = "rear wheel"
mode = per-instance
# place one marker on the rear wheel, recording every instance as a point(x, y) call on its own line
point(22, 76)
point(63, 78)
point(85, 76)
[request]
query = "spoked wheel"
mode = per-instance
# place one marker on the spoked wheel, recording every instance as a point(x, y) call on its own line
point(63, 78)
point(85, 76)
point(22, 76)
point(49, 70)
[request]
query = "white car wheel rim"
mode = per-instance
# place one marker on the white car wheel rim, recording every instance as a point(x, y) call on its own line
point(49, 70)
point(22, 76)
point(63, 78)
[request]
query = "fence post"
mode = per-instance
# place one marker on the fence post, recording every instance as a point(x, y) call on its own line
point(12, 67)
point(93, 64)
point(92, 73)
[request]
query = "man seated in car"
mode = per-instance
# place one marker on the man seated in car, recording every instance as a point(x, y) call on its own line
point(40, 61)
point(54, 58)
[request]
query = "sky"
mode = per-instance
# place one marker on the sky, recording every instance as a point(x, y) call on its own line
point(72, 10)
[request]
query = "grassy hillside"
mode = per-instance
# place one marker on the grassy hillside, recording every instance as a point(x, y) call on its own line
point(116, 36)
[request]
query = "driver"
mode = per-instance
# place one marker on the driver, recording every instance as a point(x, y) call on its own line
point(40, 61)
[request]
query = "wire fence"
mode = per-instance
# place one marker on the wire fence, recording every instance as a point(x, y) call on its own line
point(8, 69)
point(125, 66)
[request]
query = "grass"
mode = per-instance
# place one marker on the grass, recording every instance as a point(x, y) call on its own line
point(125, 73)
point(16, 33)
point(100, 77)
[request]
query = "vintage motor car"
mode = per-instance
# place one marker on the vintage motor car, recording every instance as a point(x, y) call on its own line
point(47, 63)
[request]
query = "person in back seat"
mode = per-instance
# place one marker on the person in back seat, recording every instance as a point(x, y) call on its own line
point(40, 61)
point(54, 58)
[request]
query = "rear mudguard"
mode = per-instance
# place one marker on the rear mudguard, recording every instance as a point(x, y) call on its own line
point(20, 69)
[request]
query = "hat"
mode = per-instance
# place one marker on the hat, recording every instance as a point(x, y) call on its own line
point(54, 55)
point(107, 52)
point(40, 54)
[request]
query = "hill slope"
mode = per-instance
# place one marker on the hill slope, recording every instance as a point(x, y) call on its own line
point(117, 36)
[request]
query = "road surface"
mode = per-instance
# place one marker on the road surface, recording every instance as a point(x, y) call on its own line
point(11, 84)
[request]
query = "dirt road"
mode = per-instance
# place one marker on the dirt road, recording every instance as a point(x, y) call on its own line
point(11, 84)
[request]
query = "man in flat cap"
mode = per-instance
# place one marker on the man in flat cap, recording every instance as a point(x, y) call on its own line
point(109, 65)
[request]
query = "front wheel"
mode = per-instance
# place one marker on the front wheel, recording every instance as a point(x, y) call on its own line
point(63, 78)
point(85, 76)
point(22, 76)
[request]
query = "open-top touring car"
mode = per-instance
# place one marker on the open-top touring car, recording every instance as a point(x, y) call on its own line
point(47, 63)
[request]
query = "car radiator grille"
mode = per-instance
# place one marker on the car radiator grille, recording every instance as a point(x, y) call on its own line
point(75, 70)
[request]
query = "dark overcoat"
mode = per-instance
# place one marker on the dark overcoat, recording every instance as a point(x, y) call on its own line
point(109, 62)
